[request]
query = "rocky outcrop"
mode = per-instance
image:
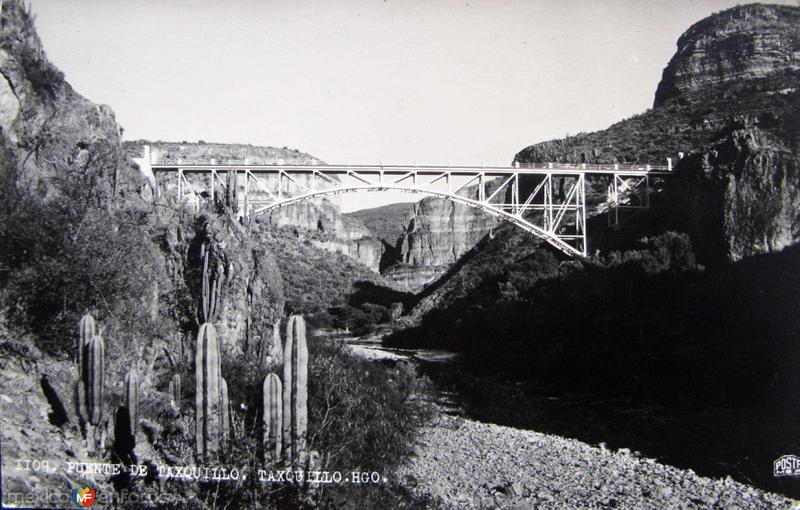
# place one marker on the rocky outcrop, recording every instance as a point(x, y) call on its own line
point(252, 298)
point(436, 234)
point(740, 196)
point(440, 231)
point(50, 134)
point(54, 142)
point(413, 278)
point(319, 215)
point(366, 251)
point(740, 44)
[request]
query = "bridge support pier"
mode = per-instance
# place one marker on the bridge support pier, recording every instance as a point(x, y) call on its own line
point(627, 193)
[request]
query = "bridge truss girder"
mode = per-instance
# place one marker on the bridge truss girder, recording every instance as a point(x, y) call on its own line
point(523, 197)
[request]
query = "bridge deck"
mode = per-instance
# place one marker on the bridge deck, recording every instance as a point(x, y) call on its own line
point(533, 169)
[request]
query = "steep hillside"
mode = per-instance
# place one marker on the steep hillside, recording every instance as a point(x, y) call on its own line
point(388, 222)
point(48, 132)
point(83, 234)
point(77, 239)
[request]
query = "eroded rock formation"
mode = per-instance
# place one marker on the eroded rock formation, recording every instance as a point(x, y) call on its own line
point(741, 44)
point(437, 233)
point(740, 196)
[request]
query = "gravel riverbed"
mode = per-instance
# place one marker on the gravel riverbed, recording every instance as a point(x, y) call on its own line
point(467, 464)
point(463, 463)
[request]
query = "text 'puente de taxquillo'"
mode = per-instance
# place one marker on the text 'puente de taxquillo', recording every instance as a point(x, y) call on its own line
point(545, 199)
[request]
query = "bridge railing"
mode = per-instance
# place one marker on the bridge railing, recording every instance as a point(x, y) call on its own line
point(613, 167)
point(627, 167)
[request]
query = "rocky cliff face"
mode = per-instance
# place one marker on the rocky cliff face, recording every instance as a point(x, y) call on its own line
point(740, 196)
point(437, 233)
point(252, 299)
point(741, 44)
point(422, 240)
point(440, 231)
point(730, 97)
point(320, 215)
point(48, 132)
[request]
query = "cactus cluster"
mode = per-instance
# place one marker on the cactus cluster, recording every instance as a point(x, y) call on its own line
point(285, 412)
point(286, 403)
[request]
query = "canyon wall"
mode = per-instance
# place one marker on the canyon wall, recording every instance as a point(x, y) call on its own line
point(738, 197)
point(422, 240)
point(438, 232)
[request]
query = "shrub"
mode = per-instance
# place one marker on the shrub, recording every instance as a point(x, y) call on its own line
point(64, 257)
point(362, 417)
point(667, 252)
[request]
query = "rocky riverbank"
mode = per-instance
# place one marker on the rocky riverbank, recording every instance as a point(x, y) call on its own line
point(463, 463)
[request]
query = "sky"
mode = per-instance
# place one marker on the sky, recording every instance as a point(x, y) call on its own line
point(394, 82)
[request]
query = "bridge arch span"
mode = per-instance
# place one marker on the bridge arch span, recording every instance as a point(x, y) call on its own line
point(515, 219)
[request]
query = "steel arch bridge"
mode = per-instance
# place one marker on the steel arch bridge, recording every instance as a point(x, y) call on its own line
point(556, 217)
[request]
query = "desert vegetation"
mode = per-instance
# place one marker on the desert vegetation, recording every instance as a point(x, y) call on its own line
point(133, 403)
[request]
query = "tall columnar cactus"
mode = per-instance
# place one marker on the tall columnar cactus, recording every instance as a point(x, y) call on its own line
point(175, 389)
point(267, 357)
point(132, 399)
point(273, 419)
point(225, 410)
point(211, 284)
point(232, 190)
point(91, 383)
point(207, 394)
point(295, 389)
point(86, 331)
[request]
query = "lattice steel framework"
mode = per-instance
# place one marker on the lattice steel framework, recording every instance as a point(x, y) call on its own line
point(547, 200)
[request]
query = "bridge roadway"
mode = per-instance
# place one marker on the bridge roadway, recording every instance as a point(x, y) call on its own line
point(489, 171)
